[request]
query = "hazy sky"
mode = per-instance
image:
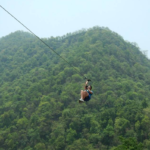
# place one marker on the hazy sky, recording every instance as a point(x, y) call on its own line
point(46, 18)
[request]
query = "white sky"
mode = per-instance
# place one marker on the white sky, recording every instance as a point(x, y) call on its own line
point(46, 18)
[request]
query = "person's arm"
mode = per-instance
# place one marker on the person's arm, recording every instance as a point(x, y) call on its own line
point(90, 91)
point(86, 85)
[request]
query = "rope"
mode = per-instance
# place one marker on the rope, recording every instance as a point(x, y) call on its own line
point(42, 41)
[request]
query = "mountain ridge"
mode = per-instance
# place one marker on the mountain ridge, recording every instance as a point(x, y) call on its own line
point(39, 91)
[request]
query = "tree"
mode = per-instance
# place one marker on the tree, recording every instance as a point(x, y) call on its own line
point(130, 144)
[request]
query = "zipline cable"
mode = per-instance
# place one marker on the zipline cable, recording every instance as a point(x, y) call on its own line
point(42, 41)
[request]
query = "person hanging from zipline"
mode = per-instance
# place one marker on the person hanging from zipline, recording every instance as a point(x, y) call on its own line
point(86, 93)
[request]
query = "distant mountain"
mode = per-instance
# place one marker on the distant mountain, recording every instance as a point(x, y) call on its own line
point(39, 92)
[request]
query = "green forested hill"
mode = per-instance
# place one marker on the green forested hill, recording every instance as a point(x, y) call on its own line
point(39, 93)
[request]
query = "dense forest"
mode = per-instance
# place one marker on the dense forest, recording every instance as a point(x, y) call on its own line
point(39, 92)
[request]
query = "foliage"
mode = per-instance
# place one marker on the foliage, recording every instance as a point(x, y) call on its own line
point(39, 92)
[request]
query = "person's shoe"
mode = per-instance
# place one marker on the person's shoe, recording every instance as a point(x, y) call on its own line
point(81, 100)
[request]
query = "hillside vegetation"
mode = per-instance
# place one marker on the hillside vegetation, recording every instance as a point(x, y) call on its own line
point(39, 93)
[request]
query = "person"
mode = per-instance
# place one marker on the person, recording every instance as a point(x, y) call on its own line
point(87, 93)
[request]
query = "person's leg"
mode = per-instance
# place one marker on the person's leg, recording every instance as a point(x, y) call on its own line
point(81, 94)
point(84, 94)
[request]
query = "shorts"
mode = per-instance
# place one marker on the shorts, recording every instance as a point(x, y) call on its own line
point(87, 98)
